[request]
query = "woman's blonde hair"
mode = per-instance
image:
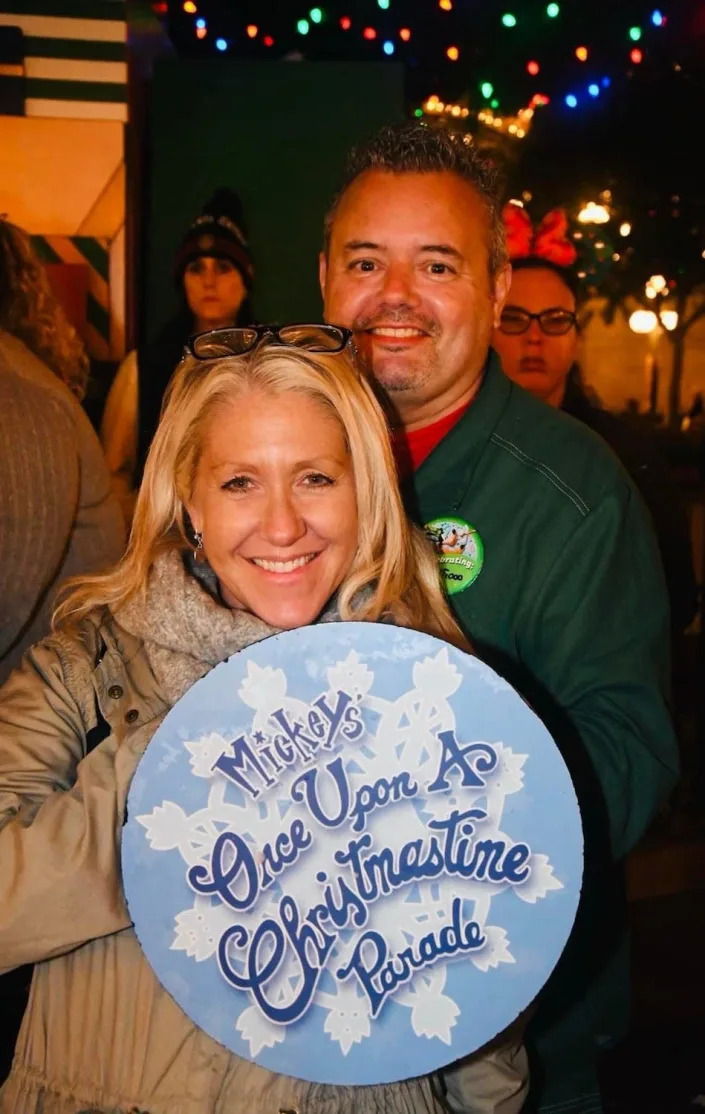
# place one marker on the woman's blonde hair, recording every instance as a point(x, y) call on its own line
point(30, 312)
point(394, 572)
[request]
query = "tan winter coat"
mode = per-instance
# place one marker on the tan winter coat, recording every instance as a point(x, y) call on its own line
point(100, 1035)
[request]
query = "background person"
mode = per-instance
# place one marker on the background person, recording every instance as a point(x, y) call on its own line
point(213, 272)
point(538, 343)
point(275, 467)
point(57, 515)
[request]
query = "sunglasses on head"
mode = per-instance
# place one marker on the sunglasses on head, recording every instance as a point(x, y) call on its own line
point(217, 343)
point(553, 322)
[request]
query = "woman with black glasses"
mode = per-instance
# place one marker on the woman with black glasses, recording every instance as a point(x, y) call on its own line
point(537, 340)
point(537, 337)
point(269, 502)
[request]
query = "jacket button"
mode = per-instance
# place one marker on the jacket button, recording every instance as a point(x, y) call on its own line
point(115, 692)
point(131, 716)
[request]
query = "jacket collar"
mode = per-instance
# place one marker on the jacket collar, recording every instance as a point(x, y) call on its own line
point(443, 479)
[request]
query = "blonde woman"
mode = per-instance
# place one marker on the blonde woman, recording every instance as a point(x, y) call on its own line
point(269, 501)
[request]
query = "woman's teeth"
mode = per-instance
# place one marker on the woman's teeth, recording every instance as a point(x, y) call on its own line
point(282, 566)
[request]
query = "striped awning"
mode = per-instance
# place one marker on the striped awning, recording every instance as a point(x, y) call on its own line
point(75, 56)
point(90, 256)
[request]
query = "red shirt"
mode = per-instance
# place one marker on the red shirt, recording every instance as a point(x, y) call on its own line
point(411, 447)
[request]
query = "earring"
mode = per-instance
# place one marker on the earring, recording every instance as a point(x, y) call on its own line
point(198, 538)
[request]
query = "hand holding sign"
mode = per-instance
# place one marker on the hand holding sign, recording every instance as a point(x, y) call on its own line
point(352, 830)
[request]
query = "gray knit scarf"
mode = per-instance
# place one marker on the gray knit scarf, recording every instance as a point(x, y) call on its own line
point(184, 626)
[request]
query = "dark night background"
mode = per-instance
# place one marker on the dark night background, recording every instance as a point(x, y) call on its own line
point(640, 137)
point(642, 132)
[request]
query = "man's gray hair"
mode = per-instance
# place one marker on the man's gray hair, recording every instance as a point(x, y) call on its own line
point(414, 148)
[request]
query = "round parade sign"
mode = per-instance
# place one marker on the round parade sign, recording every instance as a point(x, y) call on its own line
point(353, 853)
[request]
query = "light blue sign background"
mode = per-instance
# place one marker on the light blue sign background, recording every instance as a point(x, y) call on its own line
point(407, 686)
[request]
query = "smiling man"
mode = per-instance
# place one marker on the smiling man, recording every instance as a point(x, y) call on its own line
point(558, 582)
point(418, 292)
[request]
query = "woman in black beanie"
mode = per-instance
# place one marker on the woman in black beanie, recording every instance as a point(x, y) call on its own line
point(213, 272)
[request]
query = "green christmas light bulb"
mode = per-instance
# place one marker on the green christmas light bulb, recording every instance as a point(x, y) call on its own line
point(487, 89)
point(302, 27)
point(509, 19)
point(552, 10)
point(635, 34)
point(316, 15)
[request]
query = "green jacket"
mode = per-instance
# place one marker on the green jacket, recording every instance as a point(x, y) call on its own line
point(570, 605)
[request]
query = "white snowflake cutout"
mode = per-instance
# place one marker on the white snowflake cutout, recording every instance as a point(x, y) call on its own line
point(264, 688)
point(351, 675)
point(347, 1020)
point(433, 1013)
point(508, 774)
point(197, 930)
point(435, 1016)
point(194, 935)
point(540, 880)
point(495, 951)
point(205, 752)
point(165, 826)
point(259, 1033)
point(436, 677)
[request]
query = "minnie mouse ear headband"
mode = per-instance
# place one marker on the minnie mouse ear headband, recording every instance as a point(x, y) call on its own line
point(546, 245)
point(218, 232)
point(548, 241)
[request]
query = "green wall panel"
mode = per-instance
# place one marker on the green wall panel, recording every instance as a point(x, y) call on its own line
point(275, 132)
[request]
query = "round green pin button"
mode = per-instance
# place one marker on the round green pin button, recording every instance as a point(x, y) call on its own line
point(461, 553)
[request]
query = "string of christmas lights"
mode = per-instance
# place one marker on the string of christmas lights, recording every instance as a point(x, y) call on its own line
point(396, 44)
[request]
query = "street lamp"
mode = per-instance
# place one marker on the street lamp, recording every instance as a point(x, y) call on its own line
point(643, 321)
point(592, 213)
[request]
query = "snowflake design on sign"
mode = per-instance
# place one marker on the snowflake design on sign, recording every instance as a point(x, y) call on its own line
point(400, 797)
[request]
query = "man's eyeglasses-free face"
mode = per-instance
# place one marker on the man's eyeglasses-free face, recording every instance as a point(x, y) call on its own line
point(217, 343)
point(553, 322)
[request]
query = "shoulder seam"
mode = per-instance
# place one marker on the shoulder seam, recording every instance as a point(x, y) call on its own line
point(538, 466)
